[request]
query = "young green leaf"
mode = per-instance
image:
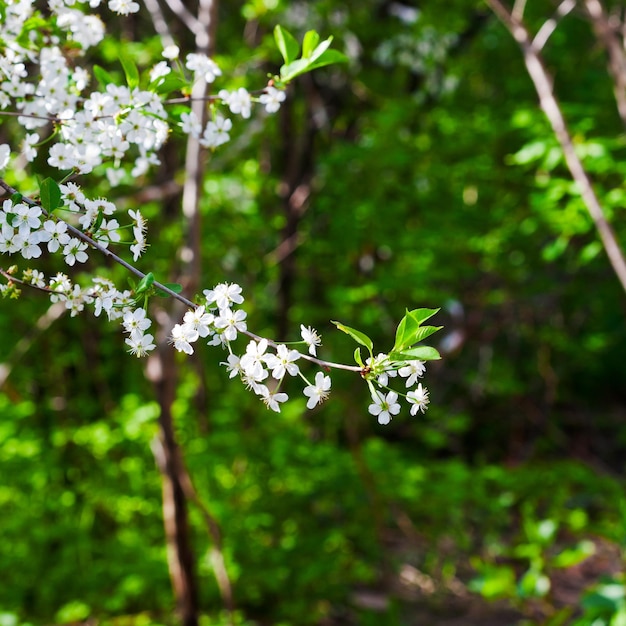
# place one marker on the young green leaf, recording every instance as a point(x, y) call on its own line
point(406, 330)
point(357, 335)
point(330, 57)
point(98, 222)
point(423, 332)
point(131, 71)
point(175, 287)
point(421, 315)
point(420, 353)
point(169, 84)
point(286, 43)
point(144, 284)
point(50, 194)
point(357, 357)
point(290, 71)
point(309, 43)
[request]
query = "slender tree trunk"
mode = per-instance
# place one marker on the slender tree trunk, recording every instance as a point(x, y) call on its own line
point(168, 456)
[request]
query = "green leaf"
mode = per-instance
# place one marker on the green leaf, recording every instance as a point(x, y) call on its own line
point(329, 57)
point(98, 222)
point(50, 194)
point(131, 71)
point(175, 287)
point(170, 83)
point(286, 43)
point(309, 43)
point(421, 353)
point(104, 78)
point(145, 283)
point(407, 328)
point(290, 71)
point(357, 357)
point(421, 315)
point(17, 197)
point(425, 331)
point(357, 335)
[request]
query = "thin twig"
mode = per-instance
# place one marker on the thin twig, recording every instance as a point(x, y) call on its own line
point(549, 26)
point(543, 83)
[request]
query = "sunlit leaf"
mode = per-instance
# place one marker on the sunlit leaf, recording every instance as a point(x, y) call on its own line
point(357, 335)
point(286, 43)
point(50, 194)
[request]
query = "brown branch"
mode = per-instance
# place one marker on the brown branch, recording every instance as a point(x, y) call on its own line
point(543, 83)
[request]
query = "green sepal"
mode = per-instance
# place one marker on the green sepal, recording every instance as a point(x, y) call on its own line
point(50, 194)
point(357, 335)
point(419, 353)
point(175, 287)
point(144, 284)
point(287, 44)
point(131, 71)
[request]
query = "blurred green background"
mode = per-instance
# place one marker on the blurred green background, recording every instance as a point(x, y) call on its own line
point(422, 174)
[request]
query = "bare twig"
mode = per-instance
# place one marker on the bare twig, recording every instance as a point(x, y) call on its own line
point(549, 26)
point(549, 104)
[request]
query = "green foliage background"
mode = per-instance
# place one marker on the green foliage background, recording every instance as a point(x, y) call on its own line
point(433, 180)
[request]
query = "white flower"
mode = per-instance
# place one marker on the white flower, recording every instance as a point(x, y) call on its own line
point(414, 370)
point(233, 365)
point(318, 392)
point(74, 251)
point(419, 399)
point(136, 321)
point(202, 66)
point(272, 399)
point(140, 344)
point(223, 295)
point(216, 132)
point(238, 101)
point(272, 99)
point(311, 337)
point(171, 52)
point(182, 338)
point(384, 406)
point(160, 70)
point(231, 322)
point(283, 361)
point(199, 321)
point(123, 7)
point(190, 124)
point(254, 358)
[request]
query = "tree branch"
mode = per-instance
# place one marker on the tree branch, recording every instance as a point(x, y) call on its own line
point(549, 104)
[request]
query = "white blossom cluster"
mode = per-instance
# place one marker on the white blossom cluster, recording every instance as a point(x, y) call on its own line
point(264, 366)
point(25, 228)
point(118, 130)
point(385, 405)
point(41, 80)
